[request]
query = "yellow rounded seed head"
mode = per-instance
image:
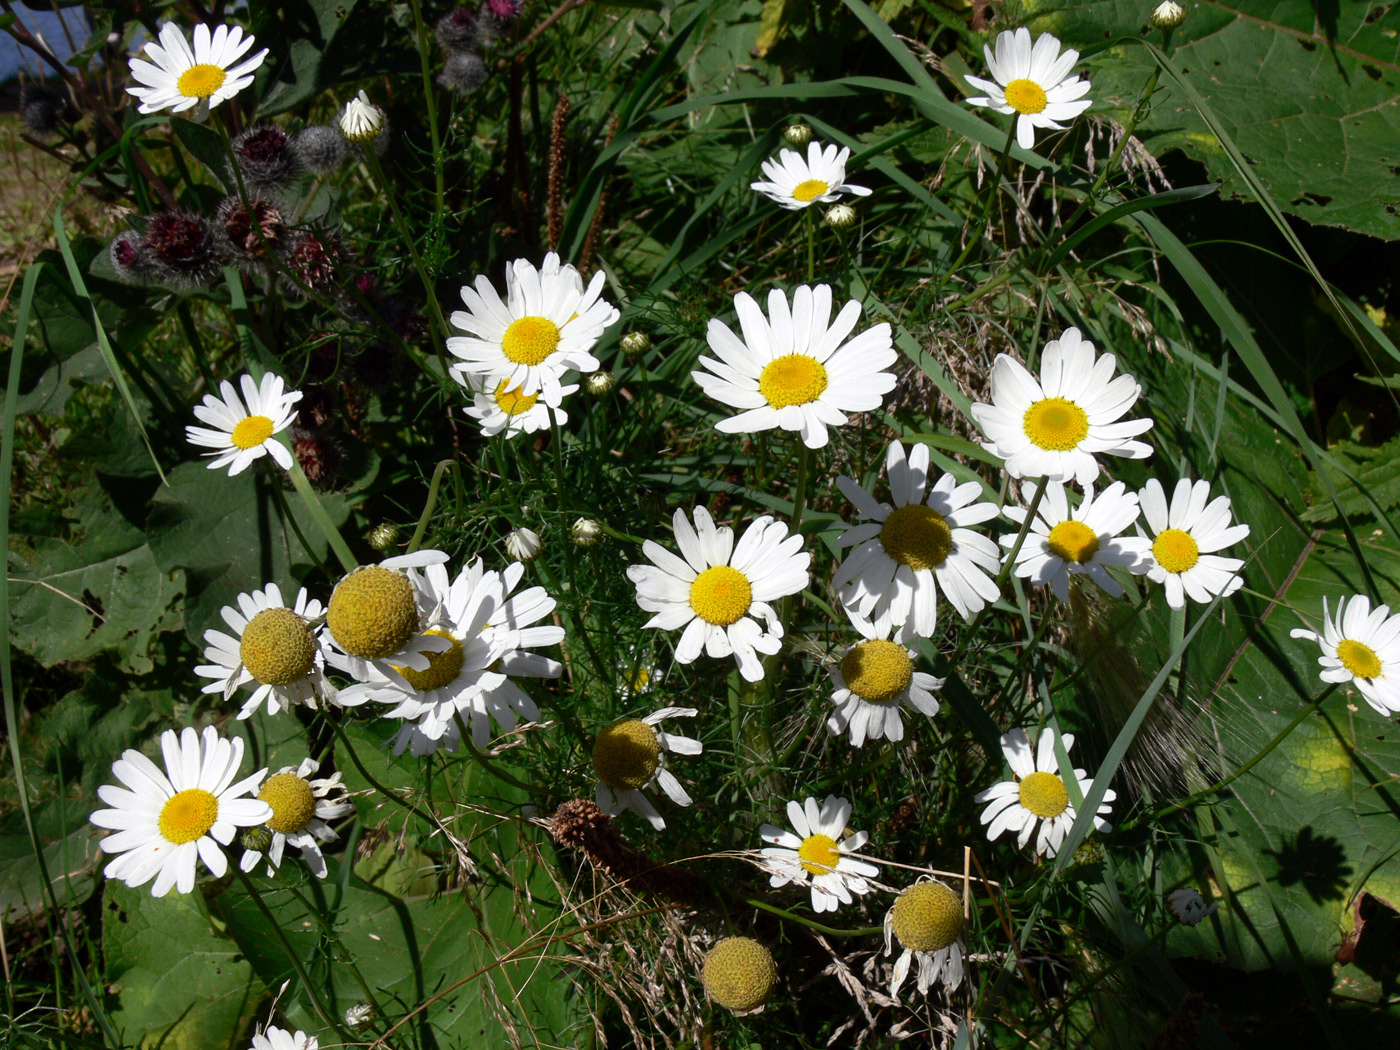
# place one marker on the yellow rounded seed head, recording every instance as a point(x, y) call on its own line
point(373, 613)
point(278, 647)
point(1044, 794)
point(917, 536)
point(200, 81)
point(251, 432)
point(1073, 541)
point(1359, 658)
point(530, 340)
point(739, 973)
point(187, 815)
point(626, 754)
point(721, 595)
point(292, 800)
point(1055, 424)
point(1175, 550)
point(877, 670)
point(1025, 96)
point(927, 917)
point(443, 667)
point(793, 379)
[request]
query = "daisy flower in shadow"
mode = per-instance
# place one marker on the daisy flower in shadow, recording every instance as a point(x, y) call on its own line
point(1079, 541)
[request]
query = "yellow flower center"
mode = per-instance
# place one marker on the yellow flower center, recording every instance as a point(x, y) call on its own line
point(641, 679)
point(187, 815)
point(1073, 541)
point(808, 191)
point(1044, 794)
point(372, 612)
point(512, 402)
point(292, 800)
point(277, 647)
point(793, 379)
point(877, 670)
point(1055, 424)
point(443, 667)
point(818, 854)
point(1175, 550)
point(626, 754)
point(917, 536)
point(1025, 96)
point(530, 340)
point(1359, 658)
point(927, 917)
point(200, 81)
point(251, 432)
point(721, 595)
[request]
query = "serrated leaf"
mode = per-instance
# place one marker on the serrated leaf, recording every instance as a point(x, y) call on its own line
point(1376, 469)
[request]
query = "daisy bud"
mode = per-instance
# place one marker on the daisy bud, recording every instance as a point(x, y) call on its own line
point(523, 545)
point(361, 121)
point(1168, 15)
point(383, 536)
point(358, 1015)
point(456, 30)
point(1189, 906)
point(463, 72)
point(319, 149)
point(586, 532)
point(257, 838)
point(739, 974)
point(841, 217)
point(264, 155)
point(600, 383)
point(797, 134)
point(634, 343)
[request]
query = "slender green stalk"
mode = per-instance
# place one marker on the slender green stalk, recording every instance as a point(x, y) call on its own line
point(321, 518)
point(430, 110)
point(1006, 568)
point(811, 244)
point(992, 191)
point(799, 488)
point(430, 504)
point(485, 763)
point(830, 931)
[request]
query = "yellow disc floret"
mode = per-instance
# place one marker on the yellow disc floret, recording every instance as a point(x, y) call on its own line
point(200, 81)
point(443, 667)
point(877, 670)
point(810, 190)
point(739, 973)
point(1055, 424)
point(1359, 658)
point(917, 536)
point(1044, 794)
point(721, 595)
point(927, 917)
point(251, 432)
point(818, 854)
point(373, 612)
point(626, 754)
point(512, 402)
point(530, 340)
point(1073, 541)
point(793, 379)
point(1025, 96)
point(188, 815)
point(277, 647)
point(1175, 550)
point(292, 800)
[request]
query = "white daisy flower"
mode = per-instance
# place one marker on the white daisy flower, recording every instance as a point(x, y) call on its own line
point(300, 809)
point(873, 680)
point(1189, 906)
point(242, 434)
point(720, 592)
point(165, 819)
point(629, 756)
point(1053, 427)
point(1179, 553)
point(817, 855)
point(1037, 793)
point(1361, 645)
point(497, 409)
point(272, 645)
point(181, 78)
point(377, 620)
point(793, 370)
point(905, 553)
point(820, 179)
point(927, 921)
point(274, 1038)
point(1080, 541)
point(1032, 82)
point(545, 327)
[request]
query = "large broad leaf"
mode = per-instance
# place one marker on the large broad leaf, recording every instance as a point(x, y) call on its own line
point(70, 856)
point(1310, 92)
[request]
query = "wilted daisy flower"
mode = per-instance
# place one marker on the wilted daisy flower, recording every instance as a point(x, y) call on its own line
point(1036, 794)
point(1080, 541)
point(1361, 645)
point(629, 756)
point(273, 646)
point(181, 78)
point(274, 1038)
point(1053, 427)
point(904, 554)
point(873, 680)
point(498, 409)
point(375, 621)
point(1189, 906)
point(720, 592)
point(165, 819)
point(792, 370)
point(927, 921)
point(1032, 82)
point(238, 434)
point(817, 854)
point(300, 809)
point(1179, 553)
point(544, 328)
point(820, 179)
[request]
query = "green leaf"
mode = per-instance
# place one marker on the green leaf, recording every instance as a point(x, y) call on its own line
point(1376, 470)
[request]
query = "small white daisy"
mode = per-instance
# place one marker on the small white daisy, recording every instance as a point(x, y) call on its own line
point(181, 78)
point(273, 646)
point(300, 809)
point(794, 369)
point(927, 921)
point(1189, 906)
point(274, 1038)
point(720, 592)
point(1361, 645)
point(242, 434)
point(817, 854)
point(905, 553)
point(1079, 541)
point(1036, 794)
point(629, 756)
point(797, 183)
point(1032, 82)
point(500, 410)
point(1179, 552)
point(164, 819)
point(1053, 427)
point(377, 622)
point(361, 120)
point(546, 327)
point(873, 680)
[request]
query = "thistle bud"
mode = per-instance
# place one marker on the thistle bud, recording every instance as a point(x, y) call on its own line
point(463, 72)
point(600, 383)
point(586, 532)
point(319, 149)
point(840, 216)
point(634, 343)
point(1168, 15)
point(797, 134)
point(523, 545)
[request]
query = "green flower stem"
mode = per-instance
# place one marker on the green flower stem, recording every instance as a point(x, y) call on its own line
point(1006, 568)
point(799, 488)
point(321, 518)
point(811, 244)
point(1176, 633)
point(201, 357)
point(604, 672)
point(393, 796)
point(430, 109)
point(485, 763)
point(343, 956)
point(831, 931)
point(430, 504)
point(992, 191)
point(279, 493)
